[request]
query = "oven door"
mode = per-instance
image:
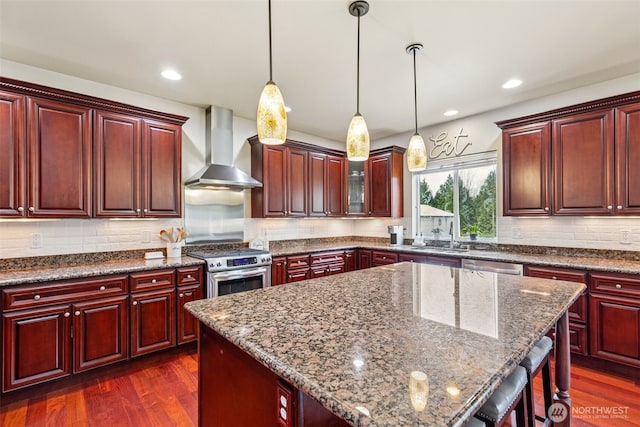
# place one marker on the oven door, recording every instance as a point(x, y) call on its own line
point(234, 281)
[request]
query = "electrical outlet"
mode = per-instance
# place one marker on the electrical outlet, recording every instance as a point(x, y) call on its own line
point(516, 233)
point(625, 237)
point(36, 240)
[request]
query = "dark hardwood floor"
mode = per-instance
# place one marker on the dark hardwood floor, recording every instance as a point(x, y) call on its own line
point(162, 390)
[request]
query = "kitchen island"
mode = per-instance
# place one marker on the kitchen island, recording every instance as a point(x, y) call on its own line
point(343, 350)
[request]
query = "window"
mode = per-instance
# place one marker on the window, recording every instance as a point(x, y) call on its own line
point(457, 195)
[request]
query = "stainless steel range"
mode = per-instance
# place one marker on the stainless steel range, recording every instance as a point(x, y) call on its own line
point(232, 271)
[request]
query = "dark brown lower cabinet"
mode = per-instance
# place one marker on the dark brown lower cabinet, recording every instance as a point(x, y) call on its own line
point(187, 324)
point(236, 390)
point(37, 346)
point(100, 332)
point(350, 262)
point(153, 320)
point(364, 259)
point(278, 271)
point(383, 258)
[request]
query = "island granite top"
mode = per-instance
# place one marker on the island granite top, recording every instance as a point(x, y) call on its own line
point(352, 341)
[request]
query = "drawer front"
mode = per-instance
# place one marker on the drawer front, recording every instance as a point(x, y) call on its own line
point(556, 274)
point(616, 284)
point(19, 297)
point(579, 309)
point(297, 261)
point(382, 257)
point(578, 338)
point(152, 280)
point(412, 257)
point(189, 275)
point(327, 258)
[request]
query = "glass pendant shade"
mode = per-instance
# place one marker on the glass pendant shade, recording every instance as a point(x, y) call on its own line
point(416, 154)
point(271, 117)
point(357, 139)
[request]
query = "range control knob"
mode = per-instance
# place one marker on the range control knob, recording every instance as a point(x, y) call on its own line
point(219, 264)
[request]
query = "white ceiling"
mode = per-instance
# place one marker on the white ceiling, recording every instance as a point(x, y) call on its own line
point(221, 49)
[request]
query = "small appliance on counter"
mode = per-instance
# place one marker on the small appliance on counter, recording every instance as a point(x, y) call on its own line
point(397, 235)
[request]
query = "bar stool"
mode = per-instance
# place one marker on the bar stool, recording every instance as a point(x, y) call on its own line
point(538, 360)
point(507, 397)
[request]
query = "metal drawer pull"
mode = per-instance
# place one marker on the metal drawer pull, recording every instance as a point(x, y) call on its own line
point(134, 303)
point(181, 295)
point(554, 277)
point(188, 276)
point(36, 297)
point(67, 314)
point(102, 288)
point(153, 281)
point(618, 286)
point(77, 313)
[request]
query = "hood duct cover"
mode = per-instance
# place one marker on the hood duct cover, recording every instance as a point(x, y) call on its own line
point(219, 147)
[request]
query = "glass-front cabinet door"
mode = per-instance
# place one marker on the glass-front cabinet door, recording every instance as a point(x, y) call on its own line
point(355, 196)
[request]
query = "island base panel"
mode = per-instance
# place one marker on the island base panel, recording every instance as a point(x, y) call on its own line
point(236, 389)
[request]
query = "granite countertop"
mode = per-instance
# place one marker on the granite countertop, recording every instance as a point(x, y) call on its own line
point(352, 341)
point(605, 261)
point(64, 272)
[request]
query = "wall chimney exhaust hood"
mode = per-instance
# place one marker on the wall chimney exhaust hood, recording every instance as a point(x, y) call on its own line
point(221, 175)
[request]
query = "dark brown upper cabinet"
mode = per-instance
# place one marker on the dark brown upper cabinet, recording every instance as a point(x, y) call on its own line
point(68, 155)
point(577, 160)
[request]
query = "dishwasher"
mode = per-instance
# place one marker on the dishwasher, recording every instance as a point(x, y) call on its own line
point(493, 266)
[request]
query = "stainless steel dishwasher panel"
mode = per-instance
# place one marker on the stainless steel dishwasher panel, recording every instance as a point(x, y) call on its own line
point(493, 266)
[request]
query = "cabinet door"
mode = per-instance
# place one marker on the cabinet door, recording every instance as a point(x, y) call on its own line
point(317, 184)
point(153, 320)
point(12, 155)
point(410, 257)
point(364, 259)
point(187, 324)
point(350, 263)
point(379, 178)
point(383, 257)
point(628, 159)
point(59, 141)
point(615, 328)
point(526, 165)
point(36, 346)
point(297, 178)
point(275, 181)
point(278, 271)
point(116, 182)
point(161, 170)
point(583, 164)
point(335, 186)
point(100, 332)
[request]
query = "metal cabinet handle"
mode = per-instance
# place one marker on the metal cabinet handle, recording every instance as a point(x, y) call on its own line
point(146, 210)
point(188, 276)
point(153, 280)
point(31, 209)
point(546, 208)
point(618, 286)
point(67, 314)
point(102, 288)
point(554, 277)
point(619, 206)
point(36, 297)
point(609, 207)
point(180, 295)
point(20, 209)
point(138, 210)
point(77, 313)
point(134, 303)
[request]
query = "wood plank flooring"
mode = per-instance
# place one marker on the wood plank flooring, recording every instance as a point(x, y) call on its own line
point(162, 390)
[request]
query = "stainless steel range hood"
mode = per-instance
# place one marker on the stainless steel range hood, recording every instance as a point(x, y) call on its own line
point(219, 149)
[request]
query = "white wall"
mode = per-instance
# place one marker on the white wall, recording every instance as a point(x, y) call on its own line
point(484, 135)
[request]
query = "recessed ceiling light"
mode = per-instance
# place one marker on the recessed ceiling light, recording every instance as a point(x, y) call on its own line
point(287, 109)
point(450, 112)
point(510, 84)
point(171, 75)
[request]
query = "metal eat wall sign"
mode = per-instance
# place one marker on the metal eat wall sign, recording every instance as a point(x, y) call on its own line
point(445, 147)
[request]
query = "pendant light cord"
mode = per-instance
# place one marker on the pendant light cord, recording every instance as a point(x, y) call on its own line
point(270, 54)
point(415, 91)
point(358, 69)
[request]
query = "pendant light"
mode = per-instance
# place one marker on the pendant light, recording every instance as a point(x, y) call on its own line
point(271, 118)
point(358, 134)
point(417, 151)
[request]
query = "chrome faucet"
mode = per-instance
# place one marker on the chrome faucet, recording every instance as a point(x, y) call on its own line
point(451, 234)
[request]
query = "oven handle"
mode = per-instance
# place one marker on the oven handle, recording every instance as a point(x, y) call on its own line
point(239, 274)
